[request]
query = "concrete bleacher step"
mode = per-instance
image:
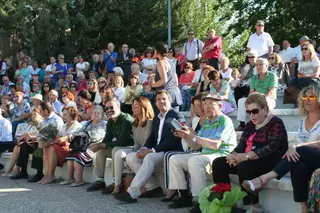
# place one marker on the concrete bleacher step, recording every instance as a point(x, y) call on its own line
point(290, 117)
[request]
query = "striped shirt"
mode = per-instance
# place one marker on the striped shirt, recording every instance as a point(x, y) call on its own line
point(221, 129)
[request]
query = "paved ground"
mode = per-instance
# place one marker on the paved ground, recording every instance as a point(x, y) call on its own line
point(23, 197)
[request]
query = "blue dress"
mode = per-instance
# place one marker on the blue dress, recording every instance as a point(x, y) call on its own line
point(60, 67)
point(171, 86)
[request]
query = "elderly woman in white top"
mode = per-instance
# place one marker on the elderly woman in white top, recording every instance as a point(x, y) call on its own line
point(148, 64)
point(82, 66)
point(54, 154)
point(119, 88)
point(225, 70)
point(141, 129)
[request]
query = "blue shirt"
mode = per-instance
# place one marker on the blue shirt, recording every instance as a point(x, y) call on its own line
point(221, 129)
point(57, 107)
point(60, 67)
point(53, 119)
point(110, 63)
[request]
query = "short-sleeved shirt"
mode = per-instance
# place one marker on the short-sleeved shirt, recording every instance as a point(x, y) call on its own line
point(260, 43)
point(306, 67)
point(304, 135)
point(184, 79)
point(225, 88)
point(227, 74)
point(17, 112)
point(263, 86)
point(221, 129)
point(54, 120)
point(110, 63)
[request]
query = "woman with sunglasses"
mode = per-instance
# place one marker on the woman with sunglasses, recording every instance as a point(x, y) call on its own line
point(102, 83)
point(46, 88)
point(68, 100)
point(278, 67)
point(74, 91)
point(262, 144)
point(301, 158)
point(247, 73)
point(94, 91)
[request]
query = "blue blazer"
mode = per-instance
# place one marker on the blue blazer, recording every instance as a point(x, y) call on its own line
point(168, 141)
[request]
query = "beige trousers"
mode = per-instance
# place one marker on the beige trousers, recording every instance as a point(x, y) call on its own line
point(196, 164)
point(101, 158)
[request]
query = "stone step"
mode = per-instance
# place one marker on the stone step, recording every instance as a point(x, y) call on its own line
point(290, 117)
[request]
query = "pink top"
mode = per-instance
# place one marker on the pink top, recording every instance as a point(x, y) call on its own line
point(82, 85)
point(185, 80)
point(250, 143)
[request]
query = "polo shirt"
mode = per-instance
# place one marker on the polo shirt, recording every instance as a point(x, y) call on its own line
point(220, 129)
point(260, 43)
point(216, 52)
point(263, 86)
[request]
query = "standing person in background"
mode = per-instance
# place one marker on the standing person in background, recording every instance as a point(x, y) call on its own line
point(287, 54)
point(3, 67)
point(124, 61)
point(260, 41)
point(10, 70)
point(192, 50)
point(50, 66)
point(165, 77)
point(110, 56)
point(25, 72)
point(212, 49)
point(82, 66)
point(276, 48)
point(60, 68)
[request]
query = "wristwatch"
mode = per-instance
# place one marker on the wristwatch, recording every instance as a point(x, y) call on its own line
point(247, 157)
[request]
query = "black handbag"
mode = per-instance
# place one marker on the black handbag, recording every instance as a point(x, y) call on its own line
point(80, 143)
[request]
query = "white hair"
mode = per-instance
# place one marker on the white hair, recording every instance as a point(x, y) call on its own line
point(118, 71)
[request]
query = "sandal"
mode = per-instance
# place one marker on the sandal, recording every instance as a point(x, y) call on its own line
point(249, 187)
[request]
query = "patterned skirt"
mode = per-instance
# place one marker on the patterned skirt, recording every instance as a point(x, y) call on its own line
point(83, 158)
point(314, 192)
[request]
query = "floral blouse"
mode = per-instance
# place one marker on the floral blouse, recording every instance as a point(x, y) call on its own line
point(96, 132)
point(225, 90)
point(17, 112)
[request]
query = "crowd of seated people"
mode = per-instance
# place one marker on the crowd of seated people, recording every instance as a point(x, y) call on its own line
point(122, 106)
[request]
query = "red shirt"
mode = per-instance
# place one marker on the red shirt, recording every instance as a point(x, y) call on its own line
point(184, 79)
point(216, 51)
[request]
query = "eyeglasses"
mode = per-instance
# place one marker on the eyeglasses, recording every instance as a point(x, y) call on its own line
point(64, 87)
point(211, 105)
point(253, 111)
point(90, 83)
point(190, 34)
point(304, 48)
point(187, 68)
point(109, 108)
point(271, 58)
point(311, 98)
point(251, 56)
point(260, 25)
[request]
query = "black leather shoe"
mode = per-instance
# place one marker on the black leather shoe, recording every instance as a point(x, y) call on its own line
point(36, 178)
point(157, 192)
point(1, 166)
point(181, 202)
point(125, 197)
point(96, 186)
point(169, 199)
point(195, 209)
point(20, 175)
point(108, 190)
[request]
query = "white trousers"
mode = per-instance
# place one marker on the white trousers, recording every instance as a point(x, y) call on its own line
point(242, 114)
point(118, 163)
point(143, 169)
point(196, 164)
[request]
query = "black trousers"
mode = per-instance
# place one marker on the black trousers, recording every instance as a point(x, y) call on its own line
point(214, 62)
point(5, 146)
point(300, 172)
point(246, 170)
point(240, 92)
point(25, 150)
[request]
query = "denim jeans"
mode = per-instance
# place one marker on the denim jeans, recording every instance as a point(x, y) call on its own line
point(186, 100)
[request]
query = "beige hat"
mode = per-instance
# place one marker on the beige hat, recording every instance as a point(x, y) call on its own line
point(212, 97)
point(37, 96)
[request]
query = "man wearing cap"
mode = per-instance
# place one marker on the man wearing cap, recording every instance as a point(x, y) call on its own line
point(57, 106)
point(297, 53)
point(260, 41)
point(216, 138)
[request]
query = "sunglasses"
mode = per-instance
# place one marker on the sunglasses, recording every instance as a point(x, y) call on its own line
point(251, 56)
point(190, 34)
point(109, 108)
point(64, 87)
point(311, 98)
point(304, 48)
point(203, 62)
point(102, 82)
point(170, 51)
point(45, 86)
point(187, 68)
point(254, 111)
point(271, 58)
point(90, 83)
point(260, 25)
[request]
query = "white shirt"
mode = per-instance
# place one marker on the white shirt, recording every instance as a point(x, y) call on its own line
point(260, 43)
point(162, 119)
point(297, 53)
point(287, 54)
point(227, 74)
point(190, 50)
point(34, 71)
point(26, 89)
point(5, 130)
point(49, 69)
point(304, 136)
point(306, 67)
point(75, 126)
point(120, 93)
point(198, 77)
point(3, 68)
point(146, 62)
point(82, 66)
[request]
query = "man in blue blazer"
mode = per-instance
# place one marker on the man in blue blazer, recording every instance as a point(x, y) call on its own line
point(161, 140)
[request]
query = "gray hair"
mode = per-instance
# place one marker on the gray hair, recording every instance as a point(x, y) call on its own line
point(98, 108)
point(264, 61)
